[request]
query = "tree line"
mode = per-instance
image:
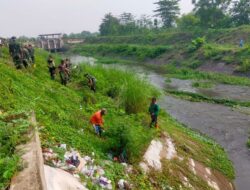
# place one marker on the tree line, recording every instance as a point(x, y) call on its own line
point(206, 14)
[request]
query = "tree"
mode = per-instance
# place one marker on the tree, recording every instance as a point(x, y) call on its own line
point(241, 12)
point(188, 21)
point(145, 22)
point(211, 12)
point(168, 11)
point(110, 25)
point(127, 22)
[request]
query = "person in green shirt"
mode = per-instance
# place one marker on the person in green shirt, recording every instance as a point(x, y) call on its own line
point(154, 112)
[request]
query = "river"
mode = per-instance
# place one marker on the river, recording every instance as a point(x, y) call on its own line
point(227, 126)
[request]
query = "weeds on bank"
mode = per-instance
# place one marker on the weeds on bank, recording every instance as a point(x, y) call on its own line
point(202, 84)
point(185, 73)
point(248, 143)
point(201, 98)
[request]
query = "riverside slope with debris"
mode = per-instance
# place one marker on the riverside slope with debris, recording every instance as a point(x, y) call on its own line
point(64, 115)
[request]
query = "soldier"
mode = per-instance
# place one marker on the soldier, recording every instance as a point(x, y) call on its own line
point(12, 46)
point(68, 66)
point(64, 72)
point(52, 67)
point(68, 63)
point(91, 82)
point(26, 59)
point(32, 53)
point(16, 53)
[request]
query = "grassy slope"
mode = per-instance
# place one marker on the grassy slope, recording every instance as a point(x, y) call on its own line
point(58, 110)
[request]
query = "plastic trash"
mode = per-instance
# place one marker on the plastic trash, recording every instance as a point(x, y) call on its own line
point(121, 184)
point(64, 146)
point(104, 181)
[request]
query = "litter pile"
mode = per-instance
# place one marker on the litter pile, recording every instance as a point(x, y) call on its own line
point(77, 165)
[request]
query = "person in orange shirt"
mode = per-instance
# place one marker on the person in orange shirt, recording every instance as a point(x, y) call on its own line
point(97, 121)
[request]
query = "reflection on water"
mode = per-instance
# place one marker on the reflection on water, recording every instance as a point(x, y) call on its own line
point(77, 59)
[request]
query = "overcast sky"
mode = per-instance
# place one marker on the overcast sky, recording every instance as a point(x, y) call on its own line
point(34, 17)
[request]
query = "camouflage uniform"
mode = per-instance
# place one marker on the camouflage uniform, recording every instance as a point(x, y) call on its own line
point(16, 53)
point(64, 73)
point(26, 60)
point(32, 53)
point(52, 67)
point(91, 82)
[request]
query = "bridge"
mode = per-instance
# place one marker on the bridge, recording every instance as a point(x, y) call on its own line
point(51, 42)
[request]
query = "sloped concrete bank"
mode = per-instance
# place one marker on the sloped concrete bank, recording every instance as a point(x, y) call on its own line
point(32, 176)
point(164, 148)
point(36, 175)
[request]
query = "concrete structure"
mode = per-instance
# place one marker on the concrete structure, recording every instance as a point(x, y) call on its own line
point(32, 177)
point(73, 40)
point(51, 42)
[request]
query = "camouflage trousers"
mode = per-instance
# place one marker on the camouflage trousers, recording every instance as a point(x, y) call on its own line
point(18, 61)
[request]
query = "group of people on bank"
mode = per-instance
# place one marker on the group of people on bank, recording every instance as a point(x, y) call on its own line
point(64, 69)
point(23, 55)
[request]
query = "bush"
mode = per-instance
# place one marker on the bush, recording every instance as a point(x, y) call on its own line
point(196, 44)
point(244, 67)
point(248, 143)
point(195, 64)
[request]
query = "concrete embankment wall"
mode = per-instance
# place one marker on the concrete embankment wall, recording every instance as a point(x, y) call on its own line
point(32, 177)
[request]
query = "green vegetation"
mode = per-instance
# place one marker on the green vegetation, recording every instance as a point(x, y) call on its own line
point(13, 129)
point(186, 73)
point(206, 15)
point(64, 113)
point(201, 98)
point(248, 143)
point(125, 51)
point(244, 67)
point(196, 44)
point(168, 11)
point(202, 84)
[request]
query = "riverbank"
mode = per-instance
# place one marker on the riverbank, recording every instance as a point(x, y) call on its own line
point(63, 116)
point(229, 127)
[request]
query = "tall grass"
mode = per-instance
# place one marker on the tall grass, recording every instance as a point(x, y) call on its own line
point(131, 92)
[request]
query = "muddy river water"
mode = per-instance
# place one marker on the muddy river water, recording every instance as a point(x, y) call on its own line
point(228, 127)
